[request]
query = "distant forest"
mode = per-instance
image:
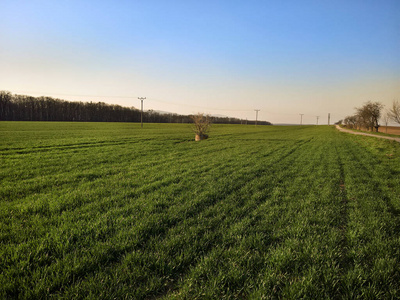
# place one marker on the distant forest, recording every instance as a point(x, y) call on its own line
point(29, 108)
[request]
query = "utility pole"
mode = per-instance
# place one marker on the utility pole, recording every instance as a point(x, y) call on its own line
point(141, 112)
point(301, 119)
point(256, 110)
point(317, 119)
point(329, 119)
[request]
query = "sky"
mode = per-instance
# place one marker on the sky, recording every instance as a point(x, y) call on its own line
point(284, 57)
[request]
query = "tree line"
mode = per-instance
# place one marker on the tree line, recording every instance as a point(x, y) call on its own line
point(368, 116)
point(28, 108)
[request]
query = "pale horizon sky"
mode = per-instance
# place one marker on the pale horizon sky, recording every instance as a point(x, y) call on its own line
point(285, 58)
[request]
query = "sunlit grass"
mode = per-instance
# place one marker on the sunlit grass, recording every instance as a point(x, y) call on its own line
point(113, 211)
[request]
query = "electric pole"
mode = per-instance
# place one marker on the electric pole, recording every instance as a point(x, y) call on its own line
point(317, 119)
point(256, 110)
point(301, 119)
point(141, 112)
point(329, 119)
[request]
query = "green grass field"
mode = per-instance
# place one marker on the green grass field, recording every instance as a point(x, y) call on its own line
point(109, 210)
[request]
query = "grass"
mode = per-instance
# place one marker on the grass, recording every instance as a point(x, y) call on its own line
point(107, 210)
point(380, 133)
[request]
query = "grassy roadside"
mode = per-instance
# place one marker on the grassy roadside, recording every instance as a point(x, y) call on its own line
point(372, 132)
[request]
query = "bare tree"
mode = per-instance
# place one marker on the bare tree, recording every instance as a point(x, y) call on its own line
point(351, 122)
point(385, 119)
point(363, 118)
point(369, 115)
point(375, 110)
point(201, 125)
point(394, 112)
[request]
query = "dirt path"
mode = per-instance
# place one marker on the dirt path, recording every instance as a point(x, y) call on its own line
point(368, 134)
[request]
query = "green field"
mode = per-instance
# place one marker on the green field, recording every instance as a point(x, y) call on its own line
point(109, 210)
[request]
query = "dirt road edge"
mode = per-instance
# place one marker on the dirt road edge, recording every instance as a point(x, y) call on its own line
point(367, 134)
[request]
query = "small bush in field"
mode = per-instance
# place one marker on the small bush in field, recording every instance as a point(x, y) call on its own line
point(201, 126)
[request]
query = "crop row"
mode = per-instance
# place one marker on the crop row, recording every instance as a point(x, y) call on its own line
point(253, 212)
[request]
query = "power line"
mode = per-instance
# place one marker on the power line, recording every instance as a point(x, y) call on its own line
point(198, 106)
point(156, 100)
point(130, 97)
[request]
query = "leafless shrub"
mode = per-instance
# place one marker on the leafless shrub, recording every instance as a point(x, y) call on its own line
point(394, 112)
point(201, 125)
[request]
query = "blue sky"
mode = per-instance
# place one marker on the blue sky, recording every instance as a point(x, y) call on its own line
point(217, 57)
